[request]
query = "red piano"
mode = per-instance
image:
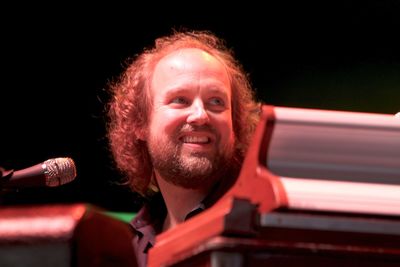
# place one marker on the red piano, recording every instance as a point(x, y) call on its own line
point(317, 188)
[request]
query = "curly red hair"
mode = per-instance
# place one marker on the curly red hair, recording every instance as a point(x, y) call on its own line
point(130, 105)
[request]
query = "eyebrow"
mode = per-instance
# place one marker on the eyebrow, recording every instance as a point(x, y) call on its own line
point(176, 90)
point(217, 89)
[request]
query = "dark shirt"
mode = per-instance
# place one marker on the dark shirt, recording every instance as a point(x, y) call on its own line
point(148, 223)
point(149, 220)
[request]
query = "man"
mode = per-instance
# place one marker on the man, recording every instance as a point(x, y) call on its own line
point(181, 118)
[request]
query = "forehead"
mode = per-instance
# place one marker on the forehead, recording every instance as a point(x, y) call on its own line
point(187, 65)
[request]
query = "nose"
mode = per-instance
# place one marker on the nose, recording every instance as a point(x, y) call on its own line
point(198, 114)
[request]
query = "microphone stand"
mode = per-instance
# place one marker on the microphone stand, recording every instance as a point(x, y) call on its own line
point(5, 175)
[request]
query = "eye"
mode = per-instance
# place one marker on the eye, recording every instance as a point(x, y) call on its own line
point(216, 104)
point(179, 101)
point(216, 101)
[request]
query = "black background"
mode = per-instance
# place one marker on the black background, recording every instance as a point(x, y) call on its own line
point(56, 62)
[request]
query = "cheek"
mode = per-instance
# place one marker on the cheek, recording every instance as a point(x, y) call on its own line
point(166, 121)
point(225, 127)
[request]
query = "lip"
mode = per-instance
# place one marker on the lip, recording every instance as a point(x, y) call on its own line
point(197, 136)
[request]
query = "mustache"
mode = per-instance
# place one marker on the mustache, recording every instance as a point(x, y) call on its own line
point(185, 128)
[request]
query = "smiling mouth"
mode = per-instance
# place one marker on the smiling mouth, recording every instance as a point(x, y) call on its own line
point(196, 140)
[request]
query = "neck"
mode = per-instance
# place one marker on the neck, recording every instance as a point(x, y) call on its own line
point(179, 201)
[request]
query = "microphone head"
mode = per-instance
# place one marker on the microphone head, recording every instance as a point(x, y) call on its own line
point(59, 171)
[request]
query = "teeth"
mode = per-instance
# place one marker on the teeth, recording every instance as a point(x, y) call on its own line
point(195, 139)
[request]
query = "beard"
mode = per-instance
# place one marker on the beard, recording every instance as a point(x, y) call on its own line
point(191, 169)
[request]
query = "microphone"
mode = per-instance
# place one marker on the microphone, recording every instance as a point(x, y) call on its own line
point(50, 173)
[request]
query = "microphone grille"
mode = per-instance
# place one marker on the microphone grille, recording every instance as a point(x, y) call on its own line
point(59, 171)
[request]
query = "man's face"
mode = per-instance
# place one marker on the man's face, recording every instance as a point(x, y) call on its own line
point(190, 134)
